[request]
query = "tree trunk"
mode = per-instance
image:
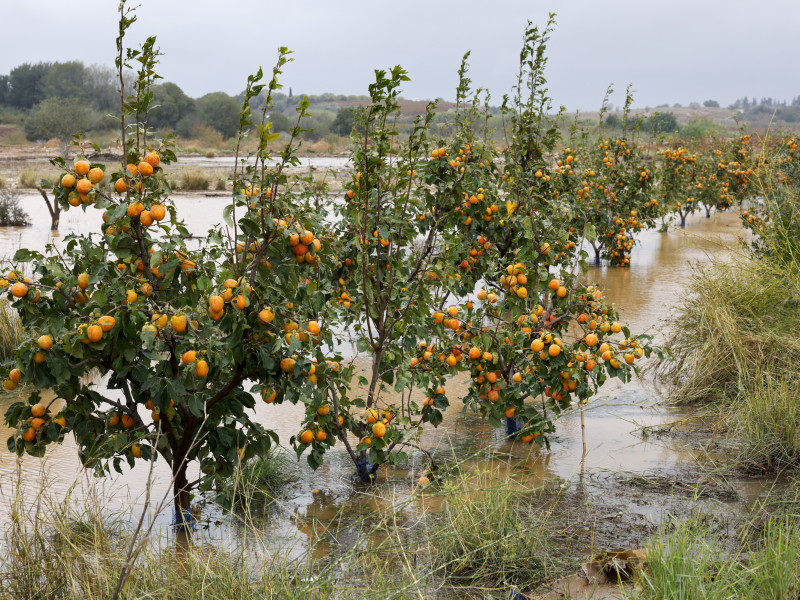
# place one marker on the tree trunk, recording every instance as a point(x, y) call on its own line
point(180, 488)
point(365, 471)
point(54, 209)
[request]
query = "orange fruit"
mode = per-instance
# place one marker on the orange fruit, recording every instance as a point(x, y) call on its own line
point(266, 315)
point(135, 209)
point(96, 175)
point(537, 345)
point(68, 180)
point(475, 353)
point(554, 284)
point(189, 357)
point(136, 451)
point(300, 250)
point(371, 415)
point(269, 395)
point(81, 167)
point(146, 219)
point(216, 303)
point(287, 365)
point(423, 481)
point(178, 323)
point(29, 434)
point(313, 328)
point(130, 297)
point(60, 421)
point(152, 159)
point(19, 289)
point(145, 169)
point(201, 368)
point(561, 292)
point(84, 186)
point(591, 340)
point(45, 342)
point(554, 350)
point(510, 412)
point(616, 327)
point(158, 211)
point(307, 238)
point(321, 436)
point(94, 333)
point(39, 358)
point(107, 322)
point(379, 430)
point(323, 410)
point(307, 436)
point(120, 186)
point(15, 375)
point(10, 385)
point(114, 420)
point(83, 281)
point(127, 421)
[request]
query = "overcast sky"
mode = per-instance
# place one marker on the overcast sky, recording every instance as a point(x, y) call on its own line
point(678, 51)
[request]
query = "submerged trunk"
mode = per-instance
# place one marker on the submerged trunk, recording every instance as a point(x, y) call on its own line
point(365, 470)
point(182, 502)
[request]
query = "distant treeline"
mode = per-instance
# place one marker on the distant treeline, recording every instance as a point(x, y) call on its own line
point(51, 100)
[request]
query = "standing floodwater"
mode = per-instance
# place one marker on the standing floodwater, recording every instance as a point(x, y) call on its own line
point(661, 267)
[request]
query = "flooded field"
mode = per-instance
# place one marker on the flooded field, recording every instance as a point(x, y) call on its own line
point(615, 446)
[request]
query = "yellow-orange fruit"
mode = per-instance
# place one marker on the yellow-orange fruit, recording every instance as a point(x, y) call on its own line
point(158, 211)
point(96, 175)
point(81, 167)
point(84, 186)
point(94, 333)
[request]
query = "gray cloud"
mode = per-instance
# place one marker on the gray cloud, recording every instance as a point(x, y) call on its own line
point(680, 51)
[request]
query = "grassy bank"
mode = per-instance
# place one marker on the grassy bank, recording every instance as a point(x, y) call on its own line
point(736, 335)
point(693, 561)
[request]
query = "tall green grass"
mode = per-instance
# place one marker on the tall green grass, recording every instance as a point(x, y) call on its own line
point(736, 336)
point(10, 330)
point(258, 482)
point(488, 536)
point(494, 538)
point(693, 562)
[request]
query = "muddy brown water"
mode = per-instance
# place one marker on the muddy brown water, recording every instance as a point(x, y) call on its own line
point(661, 267)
